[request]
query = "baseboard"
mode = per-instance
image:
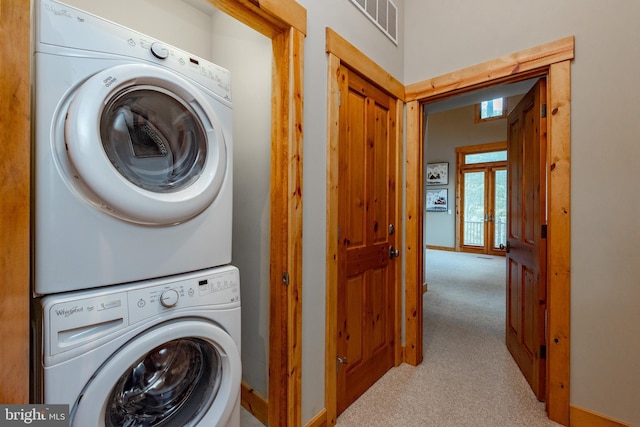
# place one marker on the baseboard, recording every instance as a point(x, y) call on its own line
point(253, 402)
point(319, 420)
point(580, 417)
point(440, 248)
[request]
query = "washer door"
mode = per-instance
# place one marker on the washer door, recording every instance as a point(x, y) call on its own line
point(182, 373)
point(146, 144)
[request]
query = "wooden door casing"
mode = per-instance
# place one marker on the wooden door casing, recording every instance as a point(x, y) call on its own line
point(526, 238)
point(366, 279)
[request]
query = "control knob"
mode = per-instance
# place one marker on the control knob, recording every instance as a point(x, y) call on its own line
point(159, 50)
point(169, 298)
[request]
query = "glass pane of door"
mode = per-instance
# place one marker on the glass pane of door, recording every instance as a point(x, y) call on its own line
point(474, 208)
point(500, 209)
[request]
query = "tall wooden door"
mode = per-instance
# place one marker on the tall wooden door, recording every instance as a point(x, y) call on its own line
point(526, 238)
point(366, 216)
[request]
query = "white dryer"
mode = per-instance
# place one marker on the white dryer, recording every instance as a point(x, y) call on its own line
point(132, 155)
point(161, 353)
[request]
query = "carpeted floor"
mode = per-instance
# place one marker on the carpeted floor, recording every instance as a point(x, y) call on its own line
point(468, 377)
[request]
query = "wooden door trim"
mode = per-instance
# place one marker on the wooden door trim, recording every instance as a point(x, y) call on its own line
point(15, 112)
point(284, 21)
point(341, 53)
point(553, 61)
point(507, 69)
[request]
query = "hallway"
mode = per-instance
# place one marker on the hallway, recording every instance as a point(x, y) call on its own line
point(468, 377)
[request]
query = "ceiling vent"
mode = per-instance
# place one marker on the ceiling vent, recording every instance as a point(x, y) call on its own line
point(383, 13)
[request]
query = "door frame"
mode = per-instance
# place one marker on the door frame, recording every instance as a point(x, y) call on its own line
point(285, 24)
point(342, 53)
point(553, 61)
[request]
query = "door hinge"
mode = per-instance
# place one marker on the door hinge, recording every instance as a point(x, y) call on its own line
point(543, 352)
point(544, 111)
point(285, 278)
point(543, 231)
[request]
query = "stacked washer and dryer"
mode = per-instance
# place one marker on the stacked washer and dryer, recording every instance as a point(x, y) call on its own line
point(136, 306)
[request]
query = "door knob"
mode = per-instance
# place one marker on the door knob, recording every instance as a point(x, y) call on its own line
point(507, 248)
point(393, 252)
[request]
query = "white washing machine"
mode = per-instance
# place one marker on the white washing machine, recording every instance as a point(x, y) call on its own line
point(131, 155)
point(161, 353)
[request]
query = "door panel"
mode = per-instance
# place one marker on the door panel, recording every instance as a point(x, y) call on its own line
point(526, 240)
point(498, 215)
point(367, 200)
point(475, 207)
point(483, 222)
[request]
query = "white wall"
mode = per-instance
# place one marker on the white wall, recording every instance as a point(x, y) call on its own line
point(247, 55)
point(444, 36)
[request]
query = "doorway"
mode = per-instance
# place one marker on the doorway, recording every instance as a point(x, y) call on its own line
point(481, 217)
point(485, 207)
point(553, 61)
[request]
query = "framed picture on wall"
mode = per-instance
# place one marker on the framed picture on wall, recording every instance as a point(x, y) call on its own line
point(437, 173)
point(437, 200)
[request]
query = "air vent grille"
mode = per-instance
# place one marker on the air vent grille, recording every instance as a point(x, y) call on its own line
point(383, 13)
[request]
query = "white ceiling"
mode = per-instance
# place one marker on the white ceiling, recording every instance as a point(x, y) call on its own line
point(464, 100)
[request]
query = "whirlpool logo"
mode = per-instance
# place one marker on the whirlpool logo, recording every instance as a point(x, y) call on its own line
point(66, 312)
point(36, 415)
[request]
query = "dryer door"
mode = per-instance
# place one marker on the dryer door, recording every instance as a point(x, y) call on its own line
point(182, 373)
point(146, 144)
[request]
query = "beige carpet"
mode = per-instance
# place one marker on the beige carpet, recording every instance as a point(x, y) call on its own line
point(468, 377)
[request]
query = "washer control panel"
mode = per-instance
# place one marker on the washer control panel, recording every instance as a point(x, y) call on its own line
point(75, 319)
point(220, 287)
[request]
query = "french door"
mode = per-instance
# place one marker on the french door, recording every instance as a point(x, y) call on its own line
point(482, 186)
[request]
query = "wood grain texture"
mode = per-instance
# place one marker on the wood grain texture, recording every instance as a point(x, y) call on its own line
point(285, 332)
point(581, 417)
point(399, 350)
point(336, 46)
point(336, 82)
point(269, 17)
point(559, 240)
point(522, 63)
point(320, 420)
point(14, 193)
point(414, 240)
point(350, 56)
point(254, 403)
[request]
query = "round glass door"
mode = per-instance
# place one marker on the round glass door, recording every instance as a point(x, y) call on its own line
point(145, 144)
point(181, 373)
point(154, 139)
point(168, 386)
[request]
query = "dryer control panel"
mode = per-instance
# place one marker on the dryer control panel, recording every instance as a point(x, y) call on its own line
point(91, 36)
